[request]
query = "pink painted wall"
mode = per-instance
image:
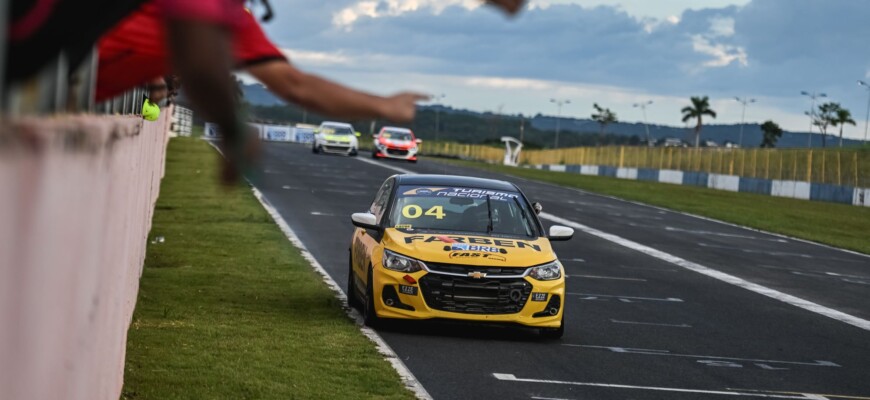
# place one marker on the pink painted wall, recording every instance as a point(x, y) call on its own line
point(76, 198)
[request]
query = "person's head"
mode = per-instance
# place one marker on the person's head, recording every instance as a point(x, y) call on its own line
point(157, 90)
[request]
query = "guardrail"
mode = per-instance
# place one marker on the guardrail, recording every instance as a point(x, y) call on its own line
point(78, 193)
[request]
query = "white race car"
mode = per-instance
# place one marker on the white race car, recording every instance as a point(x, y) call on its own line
point(336, 138)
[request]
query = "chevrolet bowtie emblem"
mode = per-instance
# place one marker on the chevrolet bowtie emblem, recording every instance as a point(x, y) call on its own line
point(477, 275)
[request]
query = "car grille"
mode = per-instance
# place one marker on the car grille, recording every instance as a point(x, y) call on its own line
point(397, 152)
point(466, 269)
point(474, 296)
point(335, 148)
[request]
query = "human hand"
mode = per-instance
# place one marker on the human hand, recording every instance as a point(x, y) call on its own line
point(509, 6)
point(401, 107)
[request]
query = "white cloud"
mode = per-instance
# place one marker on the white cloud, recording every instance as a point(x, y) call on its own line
point(508, 83)
point(346, 17)
point(722, 27)
point(723, 55)
point(317, 58)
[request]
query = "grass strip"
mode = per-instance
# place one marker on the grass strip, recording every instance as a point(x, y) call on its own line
point(228, 308)
point(834, 224)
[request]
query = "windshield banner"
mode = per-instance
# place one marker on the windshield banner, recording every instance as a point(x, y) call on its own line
point(460, 192)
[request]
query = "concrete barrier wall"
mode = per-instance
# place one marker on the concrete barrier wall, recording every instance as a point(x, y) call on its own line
point(626, 173)
point(861, 197)
point(730, 183)
point(671, 176)
point(77, 197)
point(733, 183)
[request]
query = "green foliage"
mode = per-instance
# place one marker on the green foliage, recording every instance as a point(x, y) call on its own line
point(697, 110)
point(772, 132)
point(603, 117)
point(228, 309)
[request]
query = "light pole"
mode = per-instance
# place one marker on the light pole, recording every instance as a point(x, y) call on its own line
point(559, 104)
point(436, 99)
point(743, 101)
point(645, 124)
point(867, 118)
point(812, 113)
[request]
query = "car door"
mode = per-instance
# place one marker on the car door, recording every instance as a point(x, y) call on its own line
point(364, 243)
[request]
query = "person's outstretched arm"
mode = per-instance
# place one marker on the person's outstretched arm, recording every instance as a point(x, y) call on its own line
point(329, 98)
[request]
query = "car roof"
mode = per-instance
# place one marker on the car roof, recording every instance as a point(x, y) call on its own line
point(330, 123)
point(454, 180)
point(395, 128)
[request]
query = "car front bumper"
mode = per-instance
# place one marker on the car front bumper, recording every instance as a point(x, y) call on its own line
point(434, 295)
point(397, 153)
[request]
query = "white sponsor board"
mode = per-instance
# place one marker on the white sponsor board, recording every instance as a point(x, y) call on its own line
point(730, 183)
point(861, 197)
point(671, 176)
point(557, 168)
point(626, 173)
point(278, 133)
point(589, 169)
point(211, 130)
point(303, 134)
point(793, 189)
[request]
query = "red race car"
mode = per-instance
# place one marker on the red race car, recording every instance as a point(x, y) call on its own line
point(398, 143)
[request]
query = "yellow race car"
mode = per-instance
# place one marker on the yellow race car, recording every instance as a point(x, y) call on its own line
point(459, 248)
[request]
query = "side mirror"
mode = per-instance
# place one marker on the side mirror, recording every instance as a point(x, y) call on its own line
point(418, 141)
point(357, 134)
point(538, 207)
point(559, 233)
point(366, 220)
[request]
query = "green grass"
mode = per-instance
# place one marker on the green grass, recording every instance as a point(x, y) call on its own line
point(838, 225)
point(228, 309)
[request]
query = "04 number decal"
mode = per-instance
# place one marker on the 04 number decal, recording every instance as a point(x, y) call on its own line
point(414, 211)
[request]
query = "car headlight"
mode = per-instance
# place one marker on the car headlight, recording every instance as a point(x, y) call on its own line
point(395, 262)
point(547, 272)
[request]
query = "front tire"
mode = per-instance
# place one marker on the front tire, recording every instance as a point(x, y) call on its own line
point(370, 316)
point(353, 153)
point(553, 333)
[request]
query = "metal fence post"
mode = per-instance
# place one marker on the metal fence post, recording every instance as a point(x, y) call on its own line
point(4, 8)
point(809, 166)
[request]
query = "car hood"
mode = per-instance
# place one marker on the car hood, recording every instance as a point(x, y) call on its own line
point(399, 143)
point(481, 250)
point(339, 138)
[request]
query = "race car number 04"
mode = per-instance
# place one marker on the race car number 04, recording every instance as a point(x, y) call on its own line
point(414, 211)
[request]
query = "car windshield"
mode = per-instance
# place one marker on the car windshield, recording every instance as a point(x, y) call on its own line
point(396, 135)
point(480, 211)
point(337, 130)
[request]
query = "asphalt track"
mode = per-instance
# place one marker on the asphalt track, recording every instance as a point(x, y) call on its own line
point(642, 322)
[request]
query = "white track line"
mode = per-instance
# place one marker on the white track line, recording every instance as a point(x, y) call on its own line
point(408, 378)
point(727, 278)
point(768, 395)
point(695, 267)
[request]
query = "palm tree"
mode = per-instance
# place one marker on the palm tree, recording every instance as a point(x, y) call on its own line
point(604, 117)
point(842, 117)
point(699, 108)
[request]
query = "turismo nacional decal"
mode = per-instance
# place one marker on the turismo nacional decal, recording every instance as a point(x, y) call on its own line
point(460, 192)
point(481, 242)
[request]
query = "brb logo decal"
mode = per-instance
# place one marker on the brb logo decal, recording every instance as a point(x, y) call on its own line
point(474, 247)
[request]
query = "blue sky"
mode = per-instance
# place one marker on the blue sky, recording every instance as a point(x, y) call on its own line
point(616, 53)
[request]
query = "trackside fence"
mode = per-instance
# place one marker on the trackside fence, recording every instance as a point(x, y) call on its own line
point(849, 167)
point(78, 193)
